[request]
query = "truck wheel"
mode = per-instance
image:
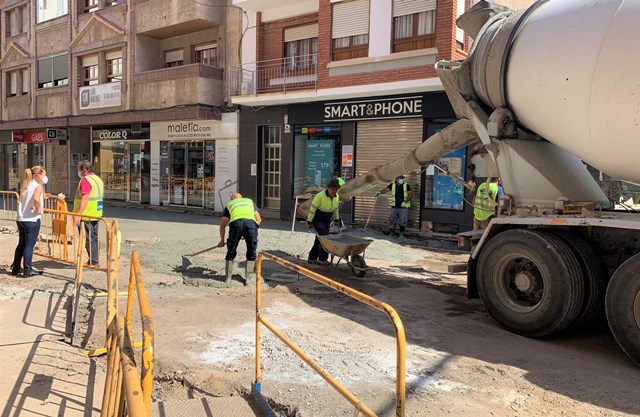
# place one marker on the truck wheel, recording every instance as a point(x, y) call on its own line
point(622, 305)
point(592, 272)
point(530, 282)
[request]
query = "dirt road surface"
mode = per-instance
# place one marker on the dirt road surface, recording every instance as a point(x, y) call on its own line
point(459, 362)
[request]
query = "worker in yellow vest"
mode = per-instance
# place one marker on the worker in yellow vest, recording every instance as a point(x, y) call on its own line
point(324, 210)
point(485, 203)
point(401, 196)
point(88, 202)
point(241, 214)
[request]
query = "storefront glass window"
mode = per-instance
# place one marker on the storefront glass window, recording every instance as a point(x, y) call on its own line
point(442, 191)
point(317, 155)
point(113, 169)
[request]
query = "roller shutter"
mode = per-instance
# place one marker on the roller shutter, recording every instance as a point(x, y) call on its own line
point(350, 18)
point(379, 142)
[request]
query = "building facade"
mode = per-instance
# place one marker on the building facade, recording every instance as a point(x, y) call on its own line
point(344, 86)
point(136, 86)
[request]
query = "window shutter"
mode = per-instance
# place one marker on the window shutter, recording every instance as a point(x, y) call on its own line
point(14, 82)
point(89, 60)
point(25, 81)
point(174, 56)
point(459, 12)
point(405, 7)
point(60, 67)
point(114, 54)
point(301, 32)
point(205, 47)
point(350, 18)
point(44, 70)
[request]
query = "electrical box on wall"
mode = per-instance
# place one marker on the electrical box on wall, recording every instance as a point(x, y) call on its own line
point(254, 170)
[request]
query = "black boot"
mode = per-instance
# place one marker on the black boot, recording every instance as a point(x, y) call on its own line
point(30, 273)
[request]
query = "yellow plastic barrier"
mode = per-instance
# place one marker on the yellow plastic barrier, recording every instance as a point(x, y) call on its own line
point(126, 393)
point(401, 344)
point(9, 205)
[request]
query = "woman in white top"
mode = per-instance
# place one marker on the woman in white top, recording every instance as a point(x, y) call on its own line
point(30, 208)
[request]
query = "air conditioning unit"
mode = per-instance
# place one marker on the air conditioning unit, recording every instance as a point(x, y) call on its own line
point(246, 89)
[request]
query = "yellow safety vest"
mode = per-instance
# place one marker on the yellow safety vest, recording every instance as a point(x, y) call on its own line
point(324, 203)
point(405, 203)
point(484, 203)
point(241, 208)
point(94, 205)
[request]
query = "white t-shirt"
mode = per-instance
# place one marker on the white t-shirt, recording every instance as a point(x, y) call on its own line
point(26, 208)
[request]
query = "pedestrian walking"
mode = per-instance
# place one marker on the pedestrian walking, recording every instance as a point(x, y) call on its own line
point(243, 218)
point(30, 208)
point(324, 209)
point(88, 202)
point(401, 196)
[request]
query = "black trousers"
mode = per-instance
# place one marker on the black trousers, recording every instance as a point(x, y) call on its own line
point(243, 228)
point(317, 251)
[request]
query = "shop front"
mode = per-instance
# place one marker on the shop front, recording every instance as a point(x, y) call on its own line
point(194, 163)
point(122, 162)
point(311, 141)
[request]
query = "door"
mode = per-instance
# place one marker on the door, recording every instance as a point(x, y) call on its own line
point(195, 174)
point(135, 171)
point(177, 180)
point(12, 164)
point(271, 151)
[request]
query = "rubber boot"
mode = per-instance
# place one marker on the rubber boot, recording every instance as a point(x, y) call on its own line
point(228, 271)
point(249, 274)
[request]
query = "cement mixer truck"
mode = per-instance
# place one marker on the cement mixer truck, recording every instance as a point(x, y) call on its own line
point(544, 91)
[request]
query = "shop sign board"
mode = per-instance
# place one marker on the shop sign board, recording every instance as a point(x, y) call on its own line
point(100, 96)
point(35, 137)
point(319, 162)
point(185, 129)
point(17, 136)
point(57, 134)
point(383, 108)
point(111, 134)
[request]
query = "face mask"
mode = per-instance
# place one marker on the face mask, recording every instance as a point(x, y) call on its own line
point(79, 174)
point(400, 181)
point(45, 180)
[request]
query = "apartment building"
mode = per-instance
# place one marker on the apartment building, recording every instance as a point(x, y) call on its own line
point(345, 85)
point(136, 86)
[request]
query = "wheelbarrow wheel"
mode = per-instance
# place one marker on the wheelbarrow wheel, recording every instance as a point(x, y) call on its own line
point(358, 266)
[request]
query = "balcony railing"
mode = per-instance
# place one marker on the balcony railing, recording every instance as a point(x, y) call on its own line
point(274, 76)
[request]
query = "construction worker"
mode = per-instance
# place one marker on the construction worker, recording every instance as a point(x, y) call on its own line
point(485, 203)
point(243, 218)
point(88, 201)
point(324, 209)
point(401, 196)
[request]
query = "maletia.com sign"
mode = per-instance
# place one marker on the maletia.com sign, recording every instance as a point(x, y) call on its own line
point(184, 129)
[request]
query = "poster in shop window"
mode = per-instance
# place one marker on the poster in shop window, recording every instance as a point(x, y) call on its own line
point(319, 162)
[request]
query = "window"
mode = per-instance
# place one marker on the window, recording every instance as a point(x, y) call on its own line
point(114, 67)
point(90, 6)
point(53, 71)
point(50, 9)
point(114, 2)
point(301, 46)
point(413, 25)
point(206, 54)
point(350, 30)
point(25, 81)
point(90, 74)
point(16, 21)
point(317, 155)
point(12, 83)
point(174, 58)
point(442, 191)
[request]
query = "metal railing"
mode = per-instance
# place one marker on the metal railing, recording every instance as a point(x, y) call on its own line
point(378, 305)
point(274, 75)
point(126, 393)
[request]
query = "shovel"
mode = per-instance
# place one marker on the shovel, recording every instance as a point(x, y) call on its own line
point(186, 262)
point(370, 213)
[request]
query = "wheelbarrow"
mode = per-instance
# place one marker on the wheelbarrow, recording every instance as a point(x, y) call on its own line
point(349, 248)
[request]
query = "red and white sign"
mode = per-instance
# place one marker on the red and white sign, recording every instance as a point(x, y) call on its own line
point(17, 137)
point(35, 137)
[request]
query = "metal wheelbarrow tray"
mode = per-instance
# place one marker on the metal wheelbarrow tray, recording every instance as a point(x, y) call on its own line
point(349, 248)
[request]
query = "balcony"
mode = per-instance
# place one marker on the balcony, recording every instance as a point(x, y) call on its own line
point(183, 85)
point(162, 19)
point(274, 76)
